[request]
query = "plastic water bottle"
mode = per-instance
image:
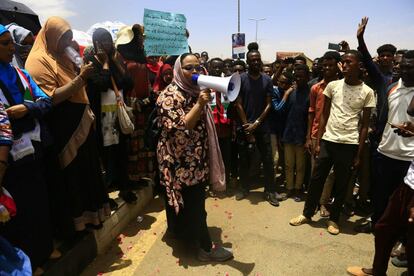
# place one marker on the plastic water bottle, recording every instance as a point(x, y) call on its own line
point(74, 56)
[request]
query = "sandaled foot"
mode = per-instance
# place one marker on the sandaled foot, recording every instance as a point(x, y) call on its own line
point(333, 228)
point(324, 213)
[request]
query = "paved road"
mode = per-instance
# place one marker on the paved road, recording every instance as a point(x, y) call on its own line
point(263, 243)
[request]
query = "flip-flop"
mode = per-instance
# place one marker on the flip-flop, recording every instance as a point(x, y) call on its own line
point(358, 271)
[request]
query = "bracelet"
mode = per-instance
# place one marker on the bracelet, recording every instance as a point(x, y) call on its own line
point(257, 121)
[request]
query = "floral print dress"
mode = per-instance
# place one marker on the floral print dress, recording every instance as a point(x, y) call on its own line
point(182, 154)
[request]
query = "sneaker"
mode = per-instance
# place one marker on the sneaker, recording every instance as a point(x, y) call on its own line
point(241, 195)
point(299, 220)
point(333, 228)
point(272, 198)
point(217, 254)
point(359, 271)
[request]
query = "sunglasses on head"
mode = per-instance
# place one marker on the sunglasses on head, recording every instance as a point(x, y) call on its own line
point(190, 67)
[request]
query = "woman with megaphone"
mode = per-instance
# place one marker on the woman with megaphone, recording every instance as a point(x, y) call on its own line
point(189, 155)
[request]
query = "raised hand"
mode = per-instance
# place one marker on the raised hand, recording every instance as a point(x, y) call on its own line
point(361, 27)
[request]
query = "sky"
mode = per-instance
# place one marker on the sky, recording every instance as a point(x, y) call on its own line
point(290, 25)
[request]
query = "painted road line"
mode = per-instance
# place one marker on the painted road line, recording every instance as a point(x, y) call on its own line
point(143, 245)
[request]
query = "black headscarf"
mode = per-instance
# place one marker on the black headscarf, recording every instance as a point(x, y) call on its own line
point(100, 35)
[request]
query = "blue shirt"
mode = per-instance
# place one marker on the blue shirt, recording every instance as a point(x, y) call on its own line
point(296, 108)
point(277, 119)
point(254, 94)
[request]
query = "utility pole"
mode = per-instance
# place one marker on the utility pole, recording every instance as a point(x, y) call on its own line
point(238, 16)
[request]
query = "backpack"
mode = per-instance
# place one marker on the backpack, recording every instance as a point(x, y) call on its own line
point(152, 131)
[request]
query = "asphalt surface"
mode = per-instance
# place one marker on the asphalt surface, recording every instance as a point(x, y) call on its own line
point(260, 235)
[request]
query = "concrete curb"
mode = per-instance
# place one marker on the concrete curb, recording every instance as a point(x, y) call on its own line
point(78, 257)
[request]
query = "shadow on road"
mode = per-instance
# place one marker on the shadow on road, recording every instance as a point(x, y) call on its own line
point(186, 253)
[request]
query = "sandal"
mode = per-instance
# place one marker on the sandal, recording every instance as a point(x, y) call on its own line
point(359, 271)
point(324, 212)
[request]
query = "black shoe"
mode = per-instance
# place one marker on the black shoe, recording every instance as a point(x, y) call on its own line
point(218, 254)
point(364, 228)
point(272, 198)
point(128, 196)
point(242, 195)
point(298, 196)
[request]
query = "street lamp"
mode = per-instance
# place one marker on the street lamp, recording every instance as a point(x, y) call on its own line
point(257, 23)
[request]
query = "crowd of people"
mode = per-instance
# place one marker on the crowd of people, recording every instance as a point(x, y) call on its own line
point(335, 135)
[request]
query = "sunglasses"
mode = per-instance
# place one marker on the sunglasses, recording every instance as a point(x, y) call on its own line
point(190, 67)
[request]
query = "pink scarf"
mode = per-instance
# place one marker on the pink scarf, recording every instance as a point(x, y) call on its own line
point(216, 164)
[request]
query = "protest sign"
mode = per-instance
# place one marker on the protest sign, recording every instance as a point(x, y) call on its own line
point(165, 33)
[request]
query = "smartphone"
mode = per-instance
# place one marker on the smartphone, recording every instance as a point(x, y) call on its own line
point(400, 127)
point(334, 46)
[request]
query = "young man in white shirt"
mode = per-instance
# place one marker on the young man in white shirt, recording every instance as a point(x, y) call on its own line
point(394, 153)
point(342, 143)
point(398, 217)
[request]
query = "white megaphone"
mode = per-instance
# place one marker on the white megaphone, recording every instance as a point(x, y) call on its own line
point(229, 86)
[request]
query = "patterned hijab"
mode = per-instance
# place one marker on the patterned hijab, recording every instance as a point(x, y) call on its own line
point(182, 82)
point(49, 68)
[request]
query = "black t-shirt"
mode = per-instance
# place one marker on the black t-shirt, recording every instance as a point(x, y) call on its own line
point(253, 94)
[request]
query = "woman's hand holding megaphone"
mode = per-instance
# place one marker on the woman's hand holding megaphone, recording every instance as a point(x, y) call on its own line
point(204, 97)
